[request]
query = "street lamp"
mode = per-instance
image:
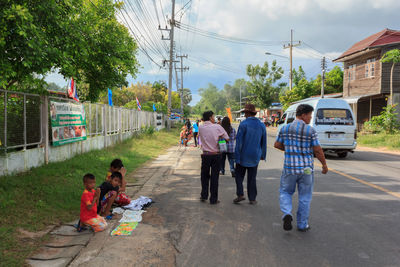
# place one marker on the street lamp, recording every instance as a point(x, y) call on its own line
point(271, 54)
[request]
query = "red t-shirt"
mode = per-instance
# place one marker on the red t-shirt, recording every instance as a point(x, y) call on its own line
point(86, 199)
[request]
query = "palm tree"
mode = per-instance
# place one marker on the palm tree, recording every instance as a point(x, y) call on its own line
point(392, 56)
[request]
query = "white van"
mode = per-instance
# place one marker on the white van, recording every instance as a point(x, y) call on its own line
point(334, 122)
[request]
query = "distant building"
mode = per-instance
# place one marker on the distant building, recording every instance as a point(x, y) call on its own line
point(366, 81)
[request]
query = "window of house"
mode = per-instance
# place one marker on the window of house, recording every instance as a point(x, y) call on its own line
point(372, 68)
point(352, 72)
point(366, 70)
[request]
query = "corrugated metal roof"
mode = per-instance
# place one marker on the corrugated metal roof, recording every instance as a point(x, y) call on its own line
point(383, 37)
point(354, 99)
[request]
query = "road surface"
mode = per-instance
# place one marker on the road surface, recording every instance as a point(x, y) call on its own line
point(355, 215)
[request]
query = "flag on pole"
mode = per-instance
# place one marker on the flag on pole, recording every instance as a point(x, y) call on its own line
point(139, 107)
point(72, 92)
point(110, 97)
point(154, 107)
point(228, 110)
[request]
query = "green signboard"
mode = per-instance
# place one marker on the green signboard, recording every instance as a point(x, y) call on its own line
point(68, 122)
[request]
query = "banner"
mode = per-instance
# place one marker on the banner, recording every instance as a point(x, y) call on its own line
point(228, 110)
point(68, 122)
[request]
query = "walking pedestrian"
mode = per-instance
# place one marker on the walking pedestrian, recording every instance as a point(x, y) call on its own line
point(300, 142)
point(251, 147)
point(230, 153)
point(195, 132)
point(209, 134)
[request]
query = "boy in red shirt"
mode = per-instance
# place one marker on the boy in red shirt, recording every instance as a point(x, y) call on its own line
point(89, 200)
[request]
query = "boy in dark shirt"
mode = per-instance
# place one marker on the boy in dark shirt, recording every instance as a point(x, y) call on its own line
point(122, 199)
point(89, 200)
point(109, 191)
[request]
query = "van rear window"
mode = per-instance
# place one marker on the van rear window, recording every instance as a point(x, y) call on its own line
point(334, 117)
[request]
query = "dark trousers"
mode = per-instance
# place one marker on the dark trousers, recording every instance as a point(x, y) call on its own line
point(251, 181)
point(210, 165)
point(195, 138)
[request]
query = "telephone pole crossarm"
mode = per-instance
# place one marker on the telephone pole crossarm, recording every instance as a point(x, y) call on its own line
point(290, 46)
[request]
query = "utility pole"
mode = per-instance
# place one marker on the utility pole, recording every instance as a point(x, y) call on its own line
point(323, 66)
point(240, 97)
point(171, 59)
point(177, 86)
point(182, 69)
point(290, 46)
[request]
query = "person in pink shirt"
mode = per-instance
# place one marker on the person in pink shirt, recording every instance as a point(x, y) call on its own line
point(209, 135)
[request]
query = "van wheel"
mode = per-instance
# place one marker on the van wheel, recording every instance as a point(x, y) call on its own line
point(342, 154)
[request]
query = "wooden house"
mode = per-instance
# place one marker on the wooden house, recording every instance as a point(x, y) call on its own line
point(366, 80)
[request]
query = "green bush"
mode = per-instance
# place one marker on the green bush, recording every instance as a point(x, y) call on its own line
point(149, 130)
point(386, 122)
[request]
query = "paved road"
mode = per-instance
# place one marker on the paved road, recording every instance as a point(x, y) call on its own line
point(355, 216)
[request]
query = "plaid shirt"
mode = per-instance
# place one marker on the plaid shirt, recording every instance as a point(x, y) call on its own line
point(299, 140)
point(231, 143)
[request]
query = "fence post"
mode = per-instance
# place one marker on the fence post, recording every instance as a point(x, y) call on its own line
point(105, 125)
point(119, 124)
point(45, 127)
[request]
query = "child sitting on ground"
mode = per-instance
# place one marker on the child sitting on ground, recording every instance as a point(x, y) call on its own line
point(89, 200)
point(116, 166)
point(108, 194)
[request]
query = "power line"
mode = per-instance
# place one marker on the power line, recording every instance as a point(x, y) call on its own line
point(221, 37)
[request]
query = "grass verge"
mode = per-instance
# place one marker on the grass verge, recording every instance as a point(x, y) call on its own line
point(381, 140)
point(51, 194)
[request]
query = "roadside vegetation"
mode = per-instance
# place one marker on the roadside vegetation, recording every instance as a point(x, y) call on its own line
point(382, 130)
point(50, 195)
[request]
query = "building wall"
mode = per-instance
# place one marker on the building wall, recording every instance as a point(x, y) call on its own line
point(362, 85)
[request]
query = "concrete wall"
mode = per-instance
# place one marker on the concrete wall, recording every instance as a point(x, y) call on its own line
point(15, 162)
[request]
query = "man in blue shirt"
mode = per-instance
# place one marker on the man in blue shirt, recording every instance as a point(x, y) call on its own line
point(300, 142)
point(251, 147)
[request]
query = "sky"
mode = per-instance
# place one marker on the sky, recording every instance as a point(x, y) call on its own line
point(324, 28)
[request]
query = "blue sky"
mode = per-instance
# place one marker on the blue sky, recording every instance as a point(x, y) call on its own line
point(325, 28)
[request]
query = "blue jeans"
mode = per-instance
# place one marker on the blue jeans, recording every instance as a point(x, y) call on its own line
point(231, 159)
point(305, 184)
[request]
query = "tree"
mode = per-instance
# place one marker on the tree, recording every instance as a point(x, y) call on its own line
point(304, 88)
point(79, 38)
point(54, 87)
point(159, 91)
point(262, 85)
point(232, 93)
point(186, 94)
point(392, 56)
point(211, 99)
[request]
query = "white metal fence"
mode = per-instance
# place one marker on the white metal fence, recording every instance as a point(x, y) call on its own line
point(25, 125)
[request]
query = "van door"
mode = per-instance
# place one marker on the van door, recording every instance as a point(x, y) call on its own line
point(335, 126)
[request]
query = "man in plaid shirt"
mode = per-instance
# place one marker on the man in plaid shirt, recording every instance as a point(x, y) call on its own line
point(300, 142)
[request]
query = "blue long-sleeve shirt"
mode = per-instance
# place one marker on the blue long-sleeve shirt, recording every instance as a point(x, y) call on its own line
point(251, 142)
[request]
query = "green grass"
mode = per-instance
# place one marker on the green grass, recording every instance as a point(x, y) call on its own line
point(51, 194)
point(381, 140)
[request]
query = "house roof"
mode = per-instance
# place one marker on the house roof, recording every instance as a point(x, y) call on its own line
point(381, 38)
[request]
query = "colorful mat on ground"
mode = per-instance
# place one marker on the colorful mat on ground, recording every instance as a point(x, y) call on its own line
point(125, 228)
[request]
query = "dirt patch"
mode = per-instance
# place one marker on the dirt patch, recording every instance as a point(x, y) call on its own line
point(24, 234)
point(151, 217)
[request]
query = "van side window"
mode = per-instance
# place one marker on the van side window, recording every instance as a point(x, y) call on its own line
point(291, 117)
